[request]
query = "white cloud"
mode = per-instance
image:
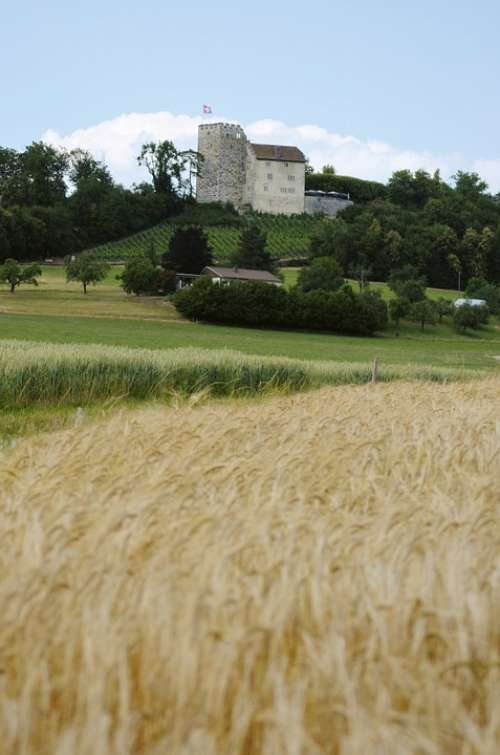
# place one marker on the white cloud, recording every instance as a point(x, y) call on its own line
point(118, 142)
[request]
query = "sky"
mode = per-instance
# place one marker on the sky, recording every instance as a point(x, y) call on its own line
point(369, 87)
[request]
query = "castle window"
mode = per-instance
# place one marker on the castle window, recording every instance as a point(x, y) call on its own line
point(286, 165)
point(283, 190)
point(266, 188)
point(291, 178)
point(269, 176)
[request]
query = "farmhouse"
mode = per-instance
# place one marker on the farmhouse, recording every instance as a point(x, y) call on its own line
point(235, 274)
point(262, 177)
point(226, 275)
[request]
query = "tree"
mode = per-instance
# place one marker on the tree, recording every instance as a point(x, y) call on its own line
point(14, 274)
point(328, 170)
point(165, 164)
point(323, 273)
point(407, 283)
point(142, 277)
point(361, 273)
point(479, 288)
point(398, 308)
point(331, 239)
point(139, 276)
point(251, 252)
point(192, 163)
point(423, 312)
point(40, 177)
point(414, 190)
point(188, 251)
point(455, 265)
point(83, 167)
point(465, 317)
point(443, 307)
point(86, 268)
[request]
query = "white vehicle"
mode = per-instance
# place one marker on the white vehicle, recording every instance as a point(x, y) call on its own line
point(470, 302)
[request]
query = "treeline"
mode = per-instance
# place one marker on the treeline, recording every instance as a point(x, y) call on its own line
point(449, 233)
point(54, 202)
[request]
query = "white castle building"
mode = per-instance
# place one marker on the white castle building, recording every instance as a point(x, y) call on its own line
point(261, 177)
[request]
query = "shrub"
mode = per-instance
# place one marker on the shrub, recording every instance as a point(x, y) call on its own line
point(398, 308)
point(263, 305)
point(479, 288)
point(467, 316)
point(408, 284)
point(423, 312)
point(141, 276)
point(323, 273)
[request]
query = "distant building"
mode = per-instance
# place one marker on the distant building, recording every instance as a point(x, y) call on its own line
point(238, 274)
point(263, 177)
point(225, 275)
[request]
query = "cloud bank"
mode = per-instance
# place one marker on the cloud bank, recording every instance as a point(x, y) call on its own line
point(118, 142)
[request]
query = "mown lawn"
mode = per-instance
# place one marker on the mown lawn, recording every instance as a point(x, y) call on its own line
point(59, 312)
point(436, 346)
point(54, 296)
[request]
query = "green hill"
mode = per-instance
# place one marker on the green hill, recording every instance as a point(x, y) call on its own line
point(287, 237)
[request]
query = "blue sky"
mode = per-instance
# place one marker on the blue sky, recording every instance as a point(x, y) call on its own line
point(415, 81)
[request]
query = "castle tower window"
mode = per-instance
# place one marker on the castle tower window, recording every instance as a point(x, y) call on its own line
point(269, 176)
point(291, 178)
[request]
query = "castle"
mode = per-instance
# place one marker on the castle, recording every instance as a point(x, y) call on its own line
point(261, 177)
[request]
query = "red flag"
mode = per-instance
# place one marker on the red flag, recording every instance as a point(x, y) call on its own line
point(207, 109)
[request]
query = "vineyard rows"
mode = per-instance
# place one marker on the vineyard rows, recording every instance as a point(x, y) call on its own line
point(287, 238)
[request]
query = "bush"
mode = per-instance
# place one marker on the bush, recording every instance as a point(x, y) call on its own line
point(467, 316)
point(264, 305)
point(407, 284)
point(423, 312)
point(141, 276)
point(323, 273)
point(359, 190)
point(479, 288)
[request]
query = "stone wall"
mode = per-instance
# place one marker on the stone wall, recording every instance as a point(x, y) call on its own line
point(222, 179)
point(326, 204)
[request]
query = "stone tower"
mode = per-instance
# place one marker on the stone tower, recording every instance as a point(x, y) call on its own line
point(223, 172)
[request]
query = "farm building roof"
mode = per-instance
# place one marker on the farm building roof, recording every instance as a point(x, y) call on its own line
point(275, 152)
point(239, 273)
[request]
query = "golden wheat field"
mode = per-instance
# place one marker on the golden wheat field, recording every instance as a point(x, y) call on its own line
point(300, 575)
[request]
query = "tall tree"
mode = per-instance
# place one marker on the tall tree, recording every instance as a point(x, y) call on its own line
point(252, 252)
point(188, 251)
point(165, 164)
